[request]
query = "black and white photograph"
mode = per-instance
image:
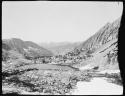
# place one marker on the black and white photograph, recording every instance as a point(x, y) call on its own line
point(61, 47)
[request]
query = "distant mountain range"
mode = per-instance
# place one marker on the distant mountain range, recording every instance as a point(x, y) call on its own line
point(28, 48)
point(60, 48)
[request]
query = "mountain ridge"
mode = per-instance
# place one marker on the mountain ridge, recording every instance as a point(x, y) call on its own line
point(60, 48)
point(100, 49)
point(107, 33)
point(21, 47)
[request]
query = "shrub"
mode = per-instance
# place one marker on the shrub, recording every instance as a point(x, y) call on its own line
point(114, 78)
point(51, 81)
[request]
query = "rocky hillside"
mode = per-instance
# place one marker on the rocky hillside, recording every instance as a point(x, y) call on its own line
point(101, 48)
point(104, 35)
point(27, 48)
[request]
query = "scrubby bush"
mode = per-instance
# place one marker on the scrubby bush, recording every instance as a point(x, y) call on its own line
point(15, 55)
point(12, 65)
point(114, 78)
point(49, 81)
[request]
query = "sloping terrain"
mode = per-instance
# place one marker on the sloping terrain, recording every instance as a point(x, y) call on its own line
point(101, 48)
point(25, 47)
point(104, 35)
point(105, 57)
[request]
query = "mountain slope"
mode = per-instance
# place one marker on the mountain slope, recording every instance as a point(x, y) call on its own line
point(105, 57)
point(25, 47)
point(104, 35)
point(101, 47)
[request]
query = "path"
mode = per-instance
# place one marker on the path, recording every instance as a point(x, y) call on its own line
point(97, 86)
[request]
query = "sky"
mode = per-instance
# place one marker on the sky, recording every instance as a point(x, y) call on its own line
point(56, 21)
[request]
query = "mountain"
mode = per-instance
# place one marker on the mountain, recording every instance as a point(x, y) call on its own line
point(104, 35)
point(28, 48)
point(101, 48)
point(60, 48)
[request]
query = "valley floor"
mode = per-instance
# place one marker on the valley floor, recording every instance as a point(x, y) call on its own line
point(97, 86)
